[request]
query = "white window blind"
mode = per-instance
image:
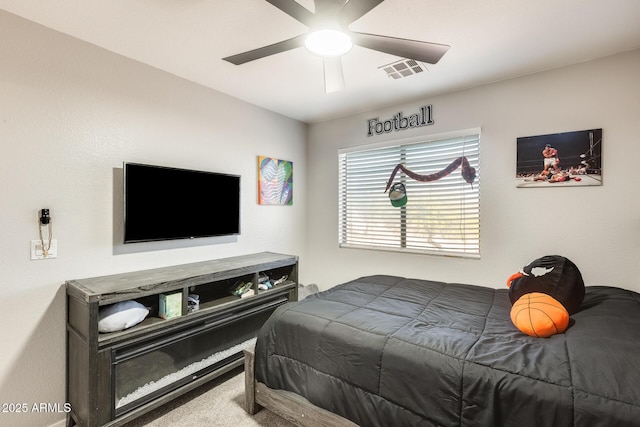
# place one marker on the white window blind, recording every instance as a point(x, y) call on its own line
point(440, 217)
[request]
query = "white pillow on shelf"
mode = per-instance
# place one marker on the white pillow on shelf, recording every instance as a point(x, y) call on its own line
point(121, 315)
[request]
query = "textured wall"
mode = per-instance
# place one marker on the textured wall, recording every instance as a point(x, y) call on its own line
point(596, 227)
point(70, 115)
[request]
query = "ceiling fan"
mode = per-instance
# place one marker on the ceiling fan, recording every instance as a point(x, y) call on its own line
point(330, 24)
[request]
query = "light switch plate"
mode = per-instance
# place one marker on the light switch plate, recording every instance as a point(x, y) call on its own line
point(37, 253)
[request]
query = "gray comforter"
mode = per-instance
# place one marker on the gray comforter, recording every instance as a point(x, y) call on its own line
point(389, 351)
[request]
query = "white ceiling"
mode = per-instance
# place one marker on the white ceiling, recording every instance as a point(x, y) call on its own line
point(491, 40)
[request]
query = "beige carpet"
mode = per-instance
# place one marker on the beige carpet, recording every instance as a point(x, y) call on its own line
point(218, 403)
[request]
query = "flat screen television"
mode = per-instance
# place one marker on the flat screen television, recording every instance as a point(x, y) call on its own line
point(163, 203)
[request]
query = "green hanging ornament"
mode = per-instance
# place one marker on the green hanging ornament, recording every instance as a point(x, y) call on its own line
point(398, 195)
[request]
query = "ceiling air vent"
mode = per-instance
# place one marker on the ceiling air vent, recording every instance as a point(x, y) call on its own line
point(403, 68)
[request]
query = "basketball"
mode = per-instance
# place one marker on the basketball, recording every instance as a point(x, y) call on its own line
point(539, 315)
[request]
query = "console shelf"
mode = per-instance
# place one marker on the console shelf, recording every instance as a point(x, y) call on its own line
point(108, 374)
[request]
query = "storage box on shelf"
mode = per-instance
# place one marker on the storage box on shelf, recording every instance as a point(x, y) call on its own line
point(116, 376)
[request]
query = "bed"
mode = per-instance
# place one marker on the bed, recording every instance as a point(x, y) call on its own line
point(391, 351)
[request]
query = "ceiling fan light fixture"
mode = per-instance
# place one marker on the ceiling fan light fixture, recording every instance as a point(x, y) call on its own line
point(328, 43)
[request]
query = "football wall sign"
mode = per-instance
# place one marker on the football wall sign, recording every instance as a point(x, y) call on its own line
point(399, 121)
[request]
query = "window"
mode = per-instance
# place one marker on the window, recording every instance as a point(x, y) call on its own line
point(440, 217)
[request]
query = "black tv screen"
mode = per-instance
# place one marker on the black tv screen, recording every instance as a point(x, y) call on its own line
point(163, 203)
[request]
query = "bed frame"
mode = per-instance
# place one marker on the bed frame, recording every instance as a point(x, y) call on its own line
point(290, 406)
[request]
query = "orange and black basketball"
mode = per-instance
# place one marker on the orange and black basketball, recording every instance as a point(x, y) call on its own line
point(539, 315)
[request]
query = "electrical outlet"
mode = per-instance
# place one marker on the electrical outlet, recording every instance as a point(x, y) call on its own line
point(38, 253)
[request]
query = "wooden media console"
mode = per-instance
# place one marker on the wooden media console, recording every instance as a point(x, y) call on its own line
point(115, 377)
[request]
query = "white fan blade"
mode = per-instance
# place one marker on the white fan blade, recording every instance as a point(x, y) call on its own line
point(333, 76)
